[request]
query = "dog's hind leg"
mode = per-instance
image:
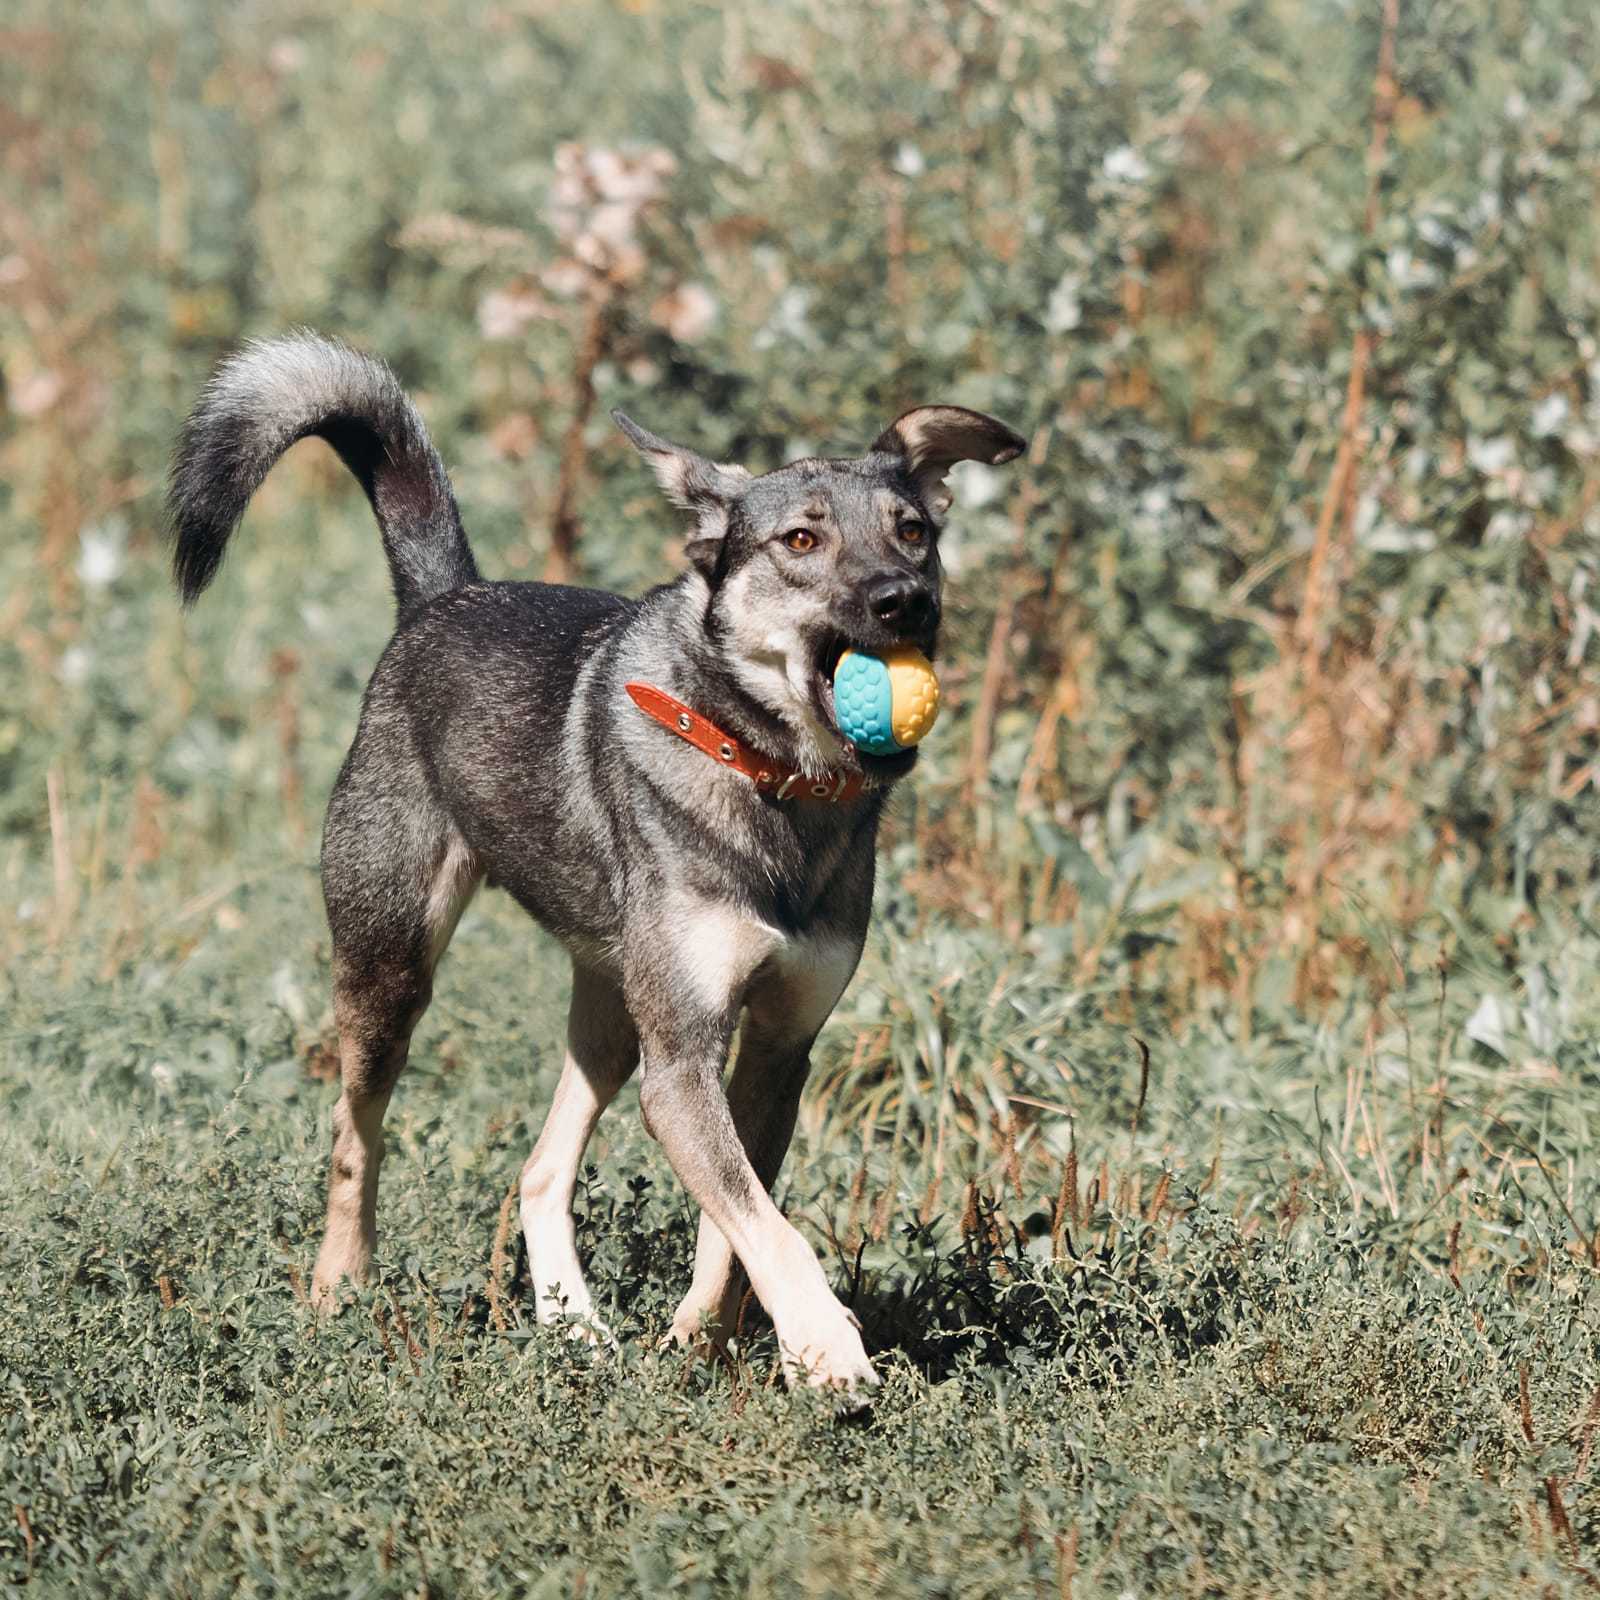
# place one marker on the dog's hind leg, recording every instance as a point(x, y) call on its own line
point(602, 1051)
point(396, 877)
point(785, 1009)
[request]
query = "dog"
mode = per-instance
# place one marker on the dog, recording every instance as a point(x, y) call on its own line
point(660, 782)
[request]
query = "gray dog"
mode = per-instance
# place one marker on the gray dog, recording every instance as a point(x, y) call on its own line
point(660, 782)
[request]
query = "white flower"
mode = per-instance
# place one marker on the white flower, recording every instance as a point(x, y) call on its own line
point(790, 319)
point(1432, 231)
point(613, 225)
point(35, 394)
point(1065, 311)
point(565, 278)
point(286, 55)
point(100, 555)
point(1506, 523)
point(1407, 271)
point(687, 313)
point(1549, 414)
point(976, 485)
point(634, 180)
point(909, 162)
point(622, 263)
point(1126, 165)
point(506, 313)
point(1492, 456)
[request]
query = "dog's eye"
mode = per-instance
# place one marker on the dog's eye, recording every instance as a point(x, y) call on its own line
point(913, 532)
point(800, 540)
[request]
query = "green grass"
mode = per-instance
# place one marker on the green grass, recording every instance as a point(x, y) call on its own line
point(1261, 1355)
point(1283, 772)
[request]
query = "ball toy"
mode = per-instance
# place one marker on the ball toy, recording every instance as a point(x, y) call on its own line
point(885, 703)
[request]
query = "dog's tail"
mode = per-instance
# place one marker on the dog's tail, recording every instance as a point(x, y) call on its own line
point(276, 391)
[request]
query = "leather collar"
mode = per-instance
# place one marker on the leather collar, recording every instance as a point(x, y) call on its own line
point(774, 780)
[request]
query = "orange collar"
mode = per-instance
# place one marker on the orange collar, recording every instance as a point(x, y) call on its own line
point(772, 778)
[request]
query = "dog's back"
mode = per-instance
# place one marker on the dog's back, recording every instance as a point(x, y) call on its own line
point(496, 686)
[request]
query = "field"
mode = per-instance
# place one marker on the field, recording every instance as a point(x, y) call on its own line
point(1210, 1142)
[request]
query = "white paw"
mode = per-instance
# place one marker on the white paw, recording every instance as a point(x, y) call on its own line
point(332, 1286)
point(688, 1333)
point(576, 1314)
point(822, 1348)
point(702, 1324)
point(590, 1330)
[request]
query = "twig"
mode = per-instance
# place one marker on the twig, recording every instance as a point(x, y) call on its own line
point(559, 566)
point(1144, 1084)
point(1339, 499)
point(27, 1531)
point(497, 1258)
point(60, 851)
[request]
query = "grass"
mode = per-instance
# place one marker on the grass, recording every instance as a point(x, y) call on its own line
point(1209, 1142)
point(1313, 1314)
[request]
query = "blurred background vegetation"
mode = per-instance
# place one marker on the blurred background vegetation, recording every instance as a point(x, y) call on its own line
point(1273, 728)
point(1256, 648)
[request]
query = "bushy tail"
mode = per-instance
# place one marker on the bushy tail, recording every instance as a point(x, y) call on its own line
point(276, 391)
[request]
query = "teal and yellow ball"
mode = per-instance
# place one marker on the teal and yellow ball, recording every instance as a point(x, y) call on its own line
point(885, 703)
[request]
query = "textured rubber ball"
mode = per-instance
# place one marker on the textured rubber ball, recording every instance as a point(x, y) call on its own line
point(885, 703)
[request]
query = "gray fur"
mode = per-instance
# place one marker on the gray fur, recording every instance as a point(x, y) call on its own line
point(497, 744)
point(273, 393)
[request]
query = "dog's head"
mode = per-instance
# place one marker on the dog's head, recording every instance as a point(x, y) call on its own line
point(820, 556)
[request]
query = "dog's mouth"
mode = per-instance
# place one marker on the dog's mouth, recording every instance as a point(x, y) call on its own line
point(826, 663)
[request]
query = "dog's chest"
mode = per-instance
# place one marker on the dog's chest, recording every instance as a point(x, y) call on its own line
point(799, 862)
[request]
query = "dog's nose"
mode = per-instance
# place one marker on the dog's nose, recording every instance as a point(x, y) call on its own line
point(902, 601)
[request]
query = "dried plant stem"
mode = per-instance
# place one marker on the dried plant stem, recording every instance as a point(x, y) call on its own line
point(498, 1257)
point(560, 565)
point(1339, 496)
point(992, 684)
point(1144, 1086)
point(1339, 499)
point(1066, 1563)
point(60, 853)
point(27, 1531)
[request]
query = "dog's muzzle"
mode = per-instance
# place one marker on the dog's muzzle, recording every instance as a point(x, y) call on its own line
point(903, 602)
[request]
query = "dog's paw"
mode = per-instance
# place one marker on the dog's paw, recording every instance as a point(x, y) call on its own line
point(594, 1333)
point(580, 1327)
point(826, 1352)
point(332, 1288)
point(704, 1325)
point(695, 1337)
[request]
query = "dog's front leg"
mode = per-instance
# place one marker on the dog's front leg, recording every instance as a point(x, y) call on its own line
point(785, 1008)
point(685, 1109)
point(764, 1096)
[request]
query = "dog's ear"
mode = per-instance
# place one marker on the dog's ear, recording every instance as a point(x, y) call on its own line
point(704, 487)
point(931, 439)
